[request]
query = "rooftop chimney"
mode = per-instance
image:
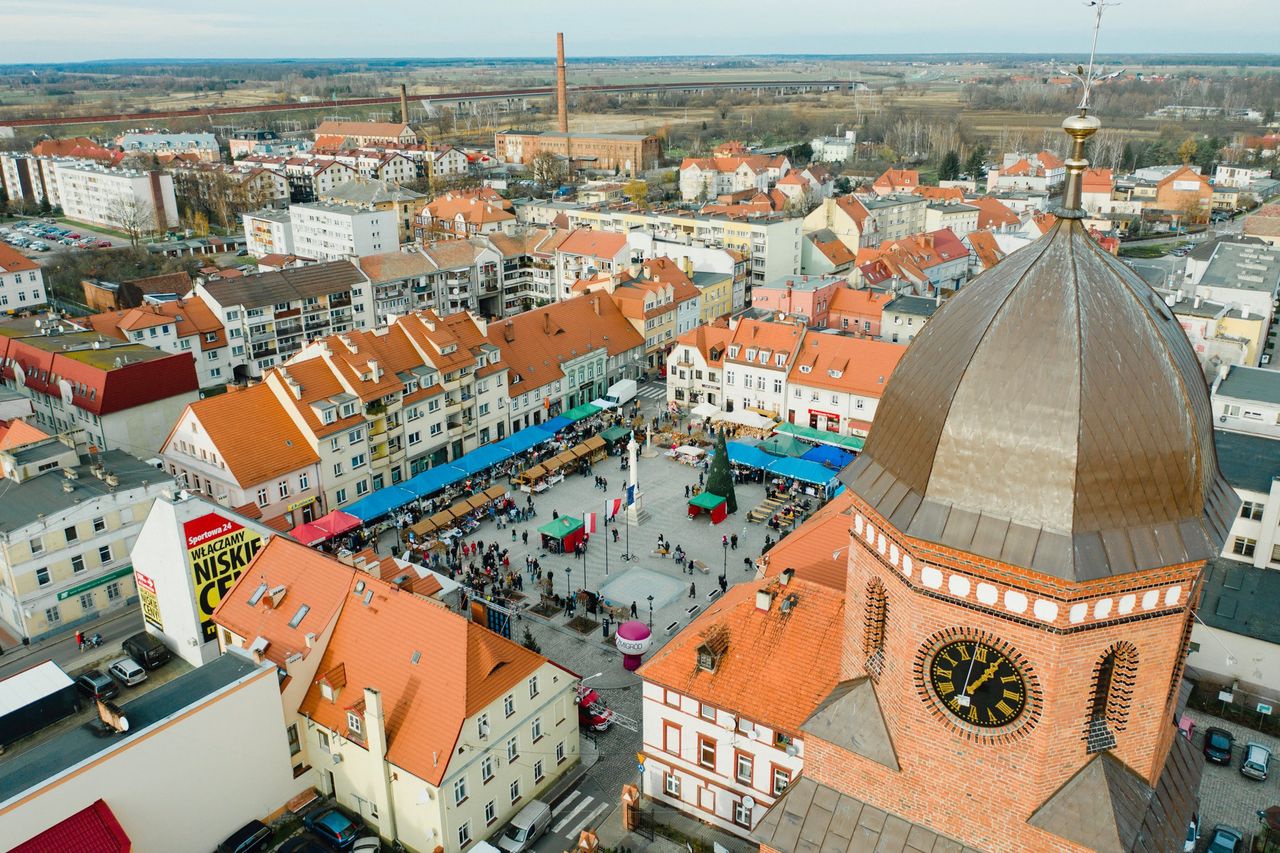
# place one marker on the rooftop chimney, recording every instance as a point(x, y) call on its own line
point(763, 599)
point(785, 577)
point(562, 87)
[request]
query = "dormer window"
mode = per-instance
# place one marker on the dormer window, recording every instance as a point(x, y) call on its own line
point(329, 416)
point(733, 351)
point(348, 409)
point(835, 374)
point(804, 368)
point(715, 644)
point(780, 359)
point(354, 723)
point(751, 353)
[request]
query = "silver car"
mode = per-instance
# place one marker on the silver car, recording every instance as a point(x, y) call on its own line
point(1254, 764)
point(128, 671)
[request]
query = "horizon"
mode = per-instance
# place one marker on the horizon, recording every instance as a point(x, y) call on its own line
point(146, 29)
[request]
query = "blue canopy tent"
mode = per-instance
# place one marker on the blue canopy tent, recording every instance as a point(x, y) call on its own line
point(746, 454)
point(379, 503)
point(433, 480)
point(826, 454)
point(481, 458)
point(554, 425)
point(521, 441)
point(799, 469)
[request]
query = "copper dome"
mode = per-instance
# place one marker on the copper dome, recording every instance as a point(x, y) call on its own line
point(1052, 415)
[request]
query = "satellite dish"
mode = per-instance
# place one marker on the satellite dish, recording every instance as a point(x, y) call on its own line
point(748, 802)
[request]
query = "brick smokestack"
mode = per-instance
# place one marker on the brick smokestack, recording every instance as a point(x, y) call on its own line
point(562, 86)
point(404, 104)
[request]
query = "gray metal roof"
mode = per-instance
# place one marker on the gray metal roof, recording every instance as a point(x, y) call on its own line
point(1241, 599)
point(1251, 383)
point(43, 495)
point(285, 285)
point(1243, 267)
point(1051, 416)
point(1204, 250)
point(918, 306)
point(1248, 462)
point(80, 744)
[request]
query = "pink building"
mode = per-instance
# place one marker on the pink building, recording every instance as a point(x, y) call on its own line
point(806, 296)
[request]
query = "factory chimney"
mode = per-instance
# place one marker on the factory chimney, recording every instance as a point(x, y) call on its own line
point(562, 86)
point(404, 104)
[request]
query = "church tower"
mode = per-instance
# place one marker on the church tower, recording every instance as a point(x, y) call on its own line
point(1030, 519)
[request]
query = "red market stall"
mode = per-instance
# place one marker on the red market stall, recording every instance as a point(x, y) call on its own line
point(562, 535)
point(325, 528)
point(714, 505)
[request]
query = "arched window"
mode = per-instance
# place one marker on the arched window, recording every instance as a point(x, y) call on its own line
point(1113, 679)
point(873, 623)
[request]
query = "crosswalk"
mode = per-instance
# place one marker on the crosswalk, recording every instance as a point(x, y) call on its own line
point(653, 391)
point(575, 813)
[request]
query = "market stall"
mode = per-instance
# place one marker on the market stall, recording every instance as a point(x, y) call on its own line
point(714, 505)
point(562, 535)
point(614, 434)
point(847, 442)
point(579, 413)
point(831, 457)
point(325, 527)
point(595, 448)
point(687, 453)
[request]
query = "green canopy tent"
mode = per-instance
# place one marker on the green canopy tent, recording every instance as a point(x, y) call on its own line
point(562, 535)
point(714, 505)
point(821, 436)
point(785, 445)
point(615, 433)
point(578, 413)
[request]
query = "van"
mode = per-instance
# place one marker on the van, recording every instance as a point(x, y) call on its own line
point(622, 391)
point(526, 827)
point(147, 650)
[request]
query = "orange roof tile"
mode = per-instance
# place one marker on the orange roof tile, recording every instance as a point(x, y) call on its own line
point(711, 341)
point(984, 245)
point(595, 244)
point(18, 432)
point(766, 336)
point(795, 653)
point(817, 549)
point(992, 213)
point(863, 365)
point(258, 448)
point(898, 180)
point(867, 303)
point(940, 193)
point(11, 260)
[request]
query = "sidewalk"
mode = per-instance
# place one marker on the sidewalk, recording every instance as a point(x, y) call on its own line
point(62, 649)
point(706, 837)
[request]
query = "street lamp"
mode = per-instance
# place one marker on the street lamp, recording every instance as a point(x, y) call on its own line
point(651, 611)
point(724, 570)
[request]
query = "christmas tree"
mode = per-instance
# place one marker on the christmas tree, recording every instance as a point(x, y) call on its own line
point(719, 477)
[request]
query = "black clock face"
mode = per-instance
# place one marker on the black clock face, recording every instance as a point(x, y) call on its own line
point(978, 684)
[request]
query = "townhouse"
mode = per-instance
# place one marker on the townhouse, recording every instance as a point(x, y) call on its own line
point(823, 253)
point(726, 703)
point(1041, 172)
point(756, 366)
point(68, 520)
point(271, 314)
point(21, 281)
point(893, 181)
point(704, 178)
point(176, 326)
point(806, 298)
point(904, 316)
point(836, 382)
point(371, 194)
point(122, 395)
point(587, 252)
point(707, 266)
point(656, 297)
point(203, 146)
point(956, 217)
point(932, 261)
point(464, 213)
point(857, 311)
point(241, 448)
point(444, 767)
point(565, 354)
point(862, 221)
point(695, 365)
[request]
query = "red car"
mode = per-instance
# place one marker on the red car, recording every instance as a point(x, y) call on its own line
point(74, 236)
point(593, 713)
point(103, 244)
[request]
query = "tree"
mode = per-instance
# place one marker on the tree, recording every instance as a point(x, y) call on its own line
point(547, 168)
point(529, 642)
point(637, 192)
point(975, 167)
point(843, 185)
point(132, 217)
point(719, 477)
point(1187, 150)
point(949, 168)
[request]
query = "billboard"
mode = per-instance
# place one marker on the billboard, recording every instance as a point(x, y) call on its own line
point(218, 549)
point(150, 603)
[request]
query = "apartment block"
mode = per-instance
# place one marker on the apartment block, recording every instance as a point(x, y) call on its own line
point(330, 232)
point(116, 198)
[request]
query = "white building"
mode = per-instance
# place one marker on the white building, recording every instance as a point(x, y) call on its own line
point(268, 232)
point(725, 705)
point(834, 149)
point(140, 784)
point(330, 232)
point(21, 281)
point(756, 366)
point(203, 145)
point(176, 326)
point(1247, 399)
point(123, 199)
point(67, 523)
point(837, 381)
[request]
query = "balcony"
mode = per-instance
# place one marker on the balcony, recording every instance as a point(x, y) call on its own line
point(265, 352)
point(340, 303)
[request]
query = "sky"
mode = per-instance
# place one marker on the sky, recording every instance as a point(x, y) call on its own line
point(73, 30)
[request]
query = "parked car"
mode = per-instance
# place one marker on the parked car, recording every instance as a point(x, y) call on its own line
point(335, 828)
point(1193, 834)
point(526, 827)
point(95, 685)
point(1225, 839)
point(242, 253)
point(302, 844)
point(147, 650)
point(368, 844)
point(1254, 762)
point(128, 671)
point(251, 837)
point(1217, 745)
point(103, 244)
point(74, 236)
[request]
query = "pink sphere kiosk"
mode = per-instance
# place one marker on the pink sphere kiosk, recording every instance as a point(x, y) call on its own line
point(633, 640)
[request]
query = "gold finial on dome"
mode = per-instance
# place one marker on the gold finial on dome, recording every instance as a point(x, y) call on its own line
point(1082, 125)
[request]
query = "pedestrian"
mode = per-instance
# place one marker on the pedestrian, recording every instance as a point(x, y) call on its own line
point(693, 590)
point(746, 564)
point(724, 583)
point(700, 479)
point(691, 565)
point(686, 490)
point(615, 534)
point(80, 639)
point(524, 537)
point(733, 542)
point(633, 610)
point(604, 484)
point(513, 534)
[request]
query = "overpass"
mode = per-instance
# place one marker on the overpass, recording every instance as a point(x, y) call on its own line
point(508, 99)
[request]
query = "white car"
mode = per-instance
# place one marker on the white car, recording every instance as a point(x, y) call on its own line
point(368, 844)
point(128, 671)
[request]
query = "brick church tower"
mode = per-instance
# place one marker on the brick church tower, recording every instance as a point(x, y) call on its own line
point(1030, 518)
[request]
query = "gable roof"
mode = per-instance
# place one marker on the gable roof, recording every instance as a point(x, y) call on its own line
point(831, 248)
point(863, 365)
point(18, 432)
point(869, 303)
point(760, 648)
point(361, 128)
point(940, 193)
point(255, 448)
point(711, 341)
point(992, 213)
point(595, 244)
point(898, 180)
point(11, 260)
point(984, 245)
point(285, 285)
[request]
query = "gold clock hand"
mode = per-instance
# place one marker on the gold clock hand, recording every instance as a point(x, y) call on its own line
point(984, 678)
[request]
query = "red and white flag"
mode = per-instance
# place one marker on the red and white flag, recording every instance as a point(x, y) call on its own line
point(589, 522)
point(612, 507)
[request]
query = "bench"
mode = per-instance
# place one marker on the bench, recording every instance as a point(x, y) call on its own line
point(702, 567)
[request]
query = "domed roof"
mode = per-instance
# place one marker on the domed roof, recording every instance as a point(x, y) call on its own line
point(1052, 415)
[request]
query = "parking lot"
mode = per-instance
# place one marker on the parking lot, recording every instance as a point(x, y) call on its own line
point(36, 237)
point(1225, 795)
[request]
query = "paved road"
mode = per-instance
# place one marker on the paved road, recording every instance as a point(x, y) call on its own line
point(114, 628)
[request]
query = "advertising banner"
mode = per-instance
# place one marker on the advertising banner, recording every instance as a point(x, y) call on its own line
point(218, 550)
point(150, 603)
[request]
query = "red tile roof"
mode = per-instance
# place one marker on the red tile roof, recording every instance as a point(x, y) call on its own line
point(18, 432)
point(897, 180)
point(595, 244)
point(847, 364)
point(11, 260)
point(866, 303)
point(818, 549)
point(992, 213)
point(93, 829)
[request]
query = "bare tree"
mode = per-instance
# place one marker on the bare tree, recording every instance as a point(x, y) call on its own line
point(132, 217)
point(547, 168)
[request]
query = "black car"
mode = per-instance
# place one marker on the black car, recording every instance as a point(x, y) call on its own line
point(251, 837)
point(1217, 745)
point(302, 844)
point(96, 685)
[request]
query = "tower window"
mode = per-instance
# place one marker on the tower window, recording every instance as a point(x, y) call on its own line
point(873, 624)
point(1113, 680)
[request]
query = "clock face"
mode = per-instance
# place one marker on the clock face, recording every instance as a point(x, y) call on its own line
point(978, 684)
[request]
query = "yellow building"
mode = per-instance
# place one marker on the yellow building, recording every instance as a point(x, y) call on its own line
point(379, 195)
point(717, 295)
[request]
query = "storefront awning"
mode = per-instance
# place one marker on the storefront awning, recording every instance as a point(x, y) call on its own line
point(554, 425)
point(481, 458)
point(433, 480)
point(380, 503)
point(523, 440)
point(325, 528)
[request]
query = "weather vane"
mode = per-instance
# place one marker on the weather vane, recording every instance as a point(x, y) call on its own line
point(1088, 79)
